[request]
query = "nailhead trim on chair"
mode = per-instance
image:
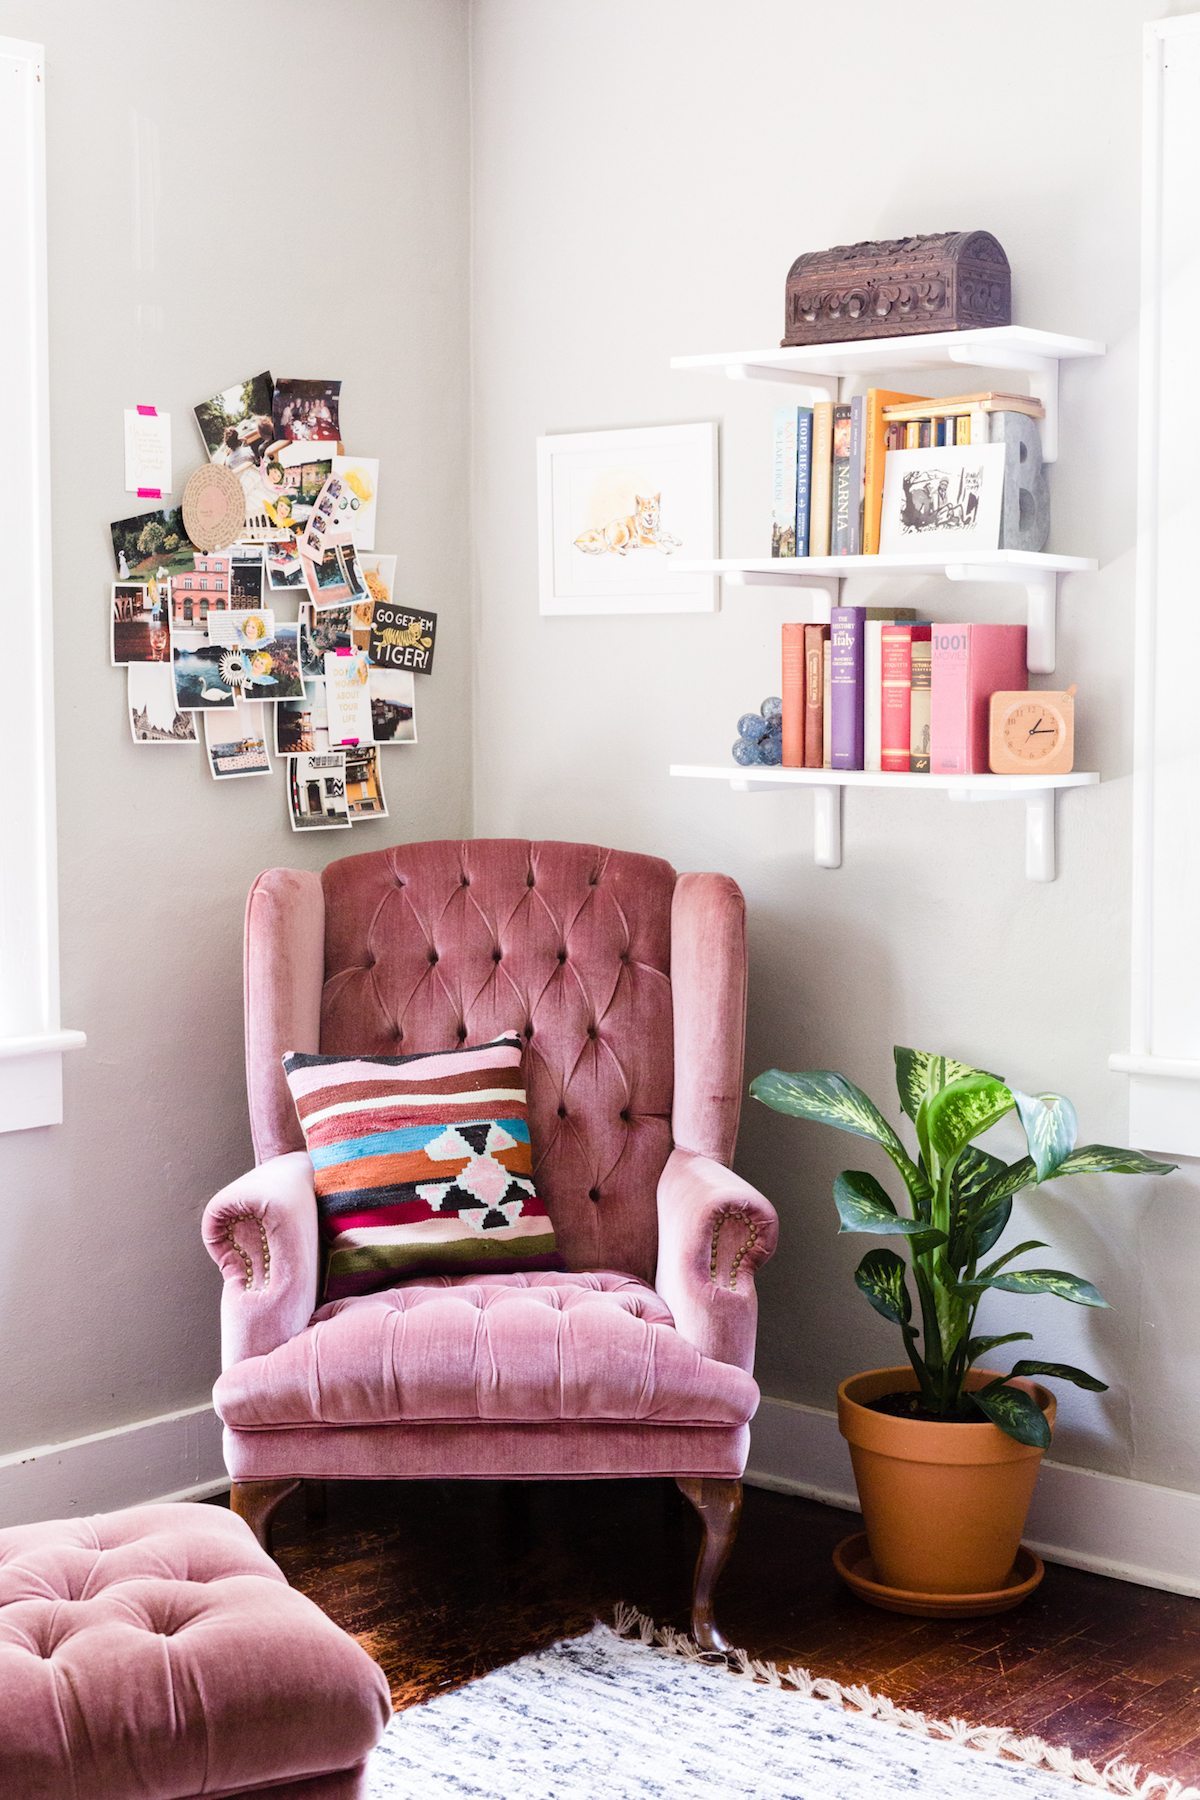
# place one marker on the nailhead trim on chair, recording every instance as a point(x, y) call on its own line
point(743, 1218)
point(247, 1263)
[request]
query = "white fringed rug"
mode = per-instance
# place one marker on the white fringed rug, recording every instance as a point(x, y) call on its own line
point(634, 1714)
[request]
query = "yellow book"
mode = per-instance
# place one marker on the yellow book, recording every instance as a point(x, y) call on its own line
point(874, 449)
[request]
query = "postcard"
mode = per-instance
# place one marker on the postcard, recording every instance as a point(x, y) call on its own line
point(154, 714)
point(348, 698)
point(379, 573)
point(236, 741)
point(282, 564)
point(301, 725)
point(402, 639)
point(151, 546)
point(246, 628)
point(945, 501)
point(356, 506)
point(393, 706)
point(236, 424)
point(293, 475)
point(273, 668)
point(147, 452)
point(334, 578)
point(140, 629)
point(246, 575)
point(317, 792)
point(306, 409)
point(364, 784)
point(206, 674)
point(327, 523)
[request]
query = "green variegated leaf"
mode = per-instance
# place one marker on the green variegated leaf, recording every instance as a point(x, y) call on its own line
point(990, 1225)
point(972, 1173)
point(919, 1073)
point(962, 1111)
point(880, 1275)
point(829, 1099)
point(1007, 1182)
point(921, 1242)
point(863, 1205)
point(994, 1268)
point(1044, 1281)
point(1062, 1372)
point(1050, 1128)
point(979, 1346)
point(1102, 1159)
point(1016, 1413)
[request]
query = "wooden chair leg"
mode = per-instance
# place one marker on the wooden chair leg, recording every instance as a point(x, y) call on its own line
point(719, 1504)
point(258, 1501)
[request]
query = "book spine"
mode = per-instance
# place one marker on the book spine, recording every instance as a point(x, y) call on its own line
point(792, 691)
point(919, 697)
point(896, 677)
point(846, 637)
point(949, 711)
point(826, 708)
point(783, 498)
point(839, 532)
point(858, 406)
point(820, 485)
point(816, 642)
point(873, 694)
point(804, 446)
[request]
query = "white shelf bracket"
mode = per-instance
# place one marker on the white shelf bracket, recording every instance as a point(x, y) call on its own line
point(821, 387)
point(1040, 836)
point(827, 827)
point(1042, 374)
point(1041, 608)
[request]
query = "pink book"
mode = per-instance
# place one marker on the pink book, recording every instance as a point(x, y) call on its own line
point(896, 702)
point(970, 664)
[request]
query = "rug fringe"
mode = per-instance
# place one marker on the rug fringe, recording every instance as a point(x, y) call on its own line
point(1116, 1777)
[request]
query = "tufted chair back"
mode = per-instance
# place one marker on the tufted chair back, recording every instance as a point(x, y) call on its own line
point(421, 946)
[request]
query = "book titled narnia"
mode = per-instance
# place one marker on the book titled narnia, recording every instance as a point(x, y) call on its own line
point(840, 523)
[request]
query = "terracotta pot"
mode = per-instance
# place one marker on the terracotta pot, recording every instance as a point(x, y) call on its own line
point(944, 1505)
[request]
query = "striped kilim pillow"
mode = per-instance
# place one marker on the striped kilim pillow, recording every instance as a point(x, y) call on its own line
point(421, 1164)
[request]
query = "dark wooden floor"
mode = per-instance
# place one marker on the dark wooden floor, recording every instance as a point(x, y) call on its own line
point(441, 1582)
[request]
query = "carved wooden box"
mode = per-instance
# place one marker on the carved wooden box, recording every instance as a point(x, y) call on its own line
point(945, 281)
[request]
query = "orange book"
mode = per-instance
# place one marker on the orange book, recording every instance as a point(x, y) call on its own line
point(792, 691)
point(874, 449)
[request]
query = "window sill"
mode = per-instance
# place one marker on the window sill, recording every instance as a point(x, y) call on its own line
point(1164, 1105)
point(31, 1078)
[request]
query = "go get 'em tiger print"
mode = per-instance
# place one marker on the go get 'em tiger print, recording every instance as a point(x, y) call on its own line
point(421, 1164)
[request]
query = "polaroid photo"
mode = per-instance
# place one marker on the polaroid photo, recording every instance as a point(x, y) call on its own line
point(379, 573)
point(151, 546)
point(293, 476)
point(282, 563)
point(348, 699)
point(307, 410)
point(364, 784)
point(141, 630)
point(317, 792)
point(236, 424)
point(359, 476)
point(402, 639)
point(155, 716)
point(301, 726)
point(393, 706)
point(236, 742)
point(206, 674)
point(333, 578)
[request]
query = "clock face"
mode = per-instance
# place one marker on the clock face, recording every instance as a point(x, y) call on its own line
point(1033, 730)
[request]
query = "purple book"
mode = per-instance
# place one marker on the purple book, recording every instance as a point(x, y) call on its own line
point(847, 632)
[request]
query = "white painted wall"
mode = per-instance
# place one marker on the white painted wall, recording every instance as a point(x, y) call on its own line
point(643, 176)
point(303, 207)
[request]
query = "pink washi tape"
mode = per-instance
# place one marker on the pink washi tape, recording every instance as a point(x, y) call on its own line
point(148, 412)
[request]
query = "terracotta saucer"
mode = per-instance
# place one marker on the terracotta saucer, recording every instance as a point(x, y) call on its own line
point(852, 1560)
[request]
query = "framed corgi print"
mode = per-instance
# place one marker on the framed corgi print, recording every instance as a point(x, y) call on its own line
point(618, 511)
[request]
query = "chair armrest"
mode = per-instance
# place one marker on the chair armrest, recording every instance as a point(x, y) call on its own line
point(714, 1231)
point(262, 1233)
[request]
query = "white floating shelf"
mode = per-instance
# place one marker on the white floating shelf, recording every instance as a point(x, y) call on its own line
point(1036, 791)
point(823, 368)
point(1036, 571)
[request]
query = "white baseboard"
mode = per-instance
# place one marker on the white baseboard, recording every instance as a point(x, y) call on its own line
point(1130, 1529)
point(176, 1456)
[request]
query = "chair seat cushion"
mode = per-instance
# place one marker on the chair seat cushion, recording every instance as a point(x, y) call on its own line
point(519, 1349)
point(160, 1652)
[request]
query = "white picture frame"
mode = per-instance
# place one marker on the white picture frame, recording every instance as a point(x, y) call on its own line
point(942, 500)
point(616, 511)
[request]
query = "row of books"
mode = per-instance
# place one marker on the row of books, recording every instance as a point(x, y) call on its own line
point(829, 459)
point(882, 690)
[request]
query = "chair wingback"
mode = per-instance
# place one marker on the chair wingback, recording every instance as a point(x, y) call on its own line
point(570, 945)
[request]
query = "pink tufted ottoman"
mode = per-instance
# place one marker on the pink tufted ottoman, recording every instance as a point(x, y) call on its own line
point(159, 1654)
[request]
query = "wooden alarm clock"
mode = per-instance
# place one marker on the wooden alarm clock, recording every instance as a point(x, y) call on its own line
point(1032, 733)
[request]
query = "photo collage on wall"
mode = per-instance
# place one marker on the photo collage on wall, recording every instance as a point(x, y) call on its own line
point(288, 639)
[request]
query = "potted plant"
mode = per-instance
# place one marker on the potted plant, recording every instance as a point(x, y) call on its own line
point(945, 1450)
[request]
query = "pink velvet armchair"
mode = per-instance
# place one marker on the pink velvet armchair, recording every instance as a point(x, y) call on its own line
point(628, 983)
